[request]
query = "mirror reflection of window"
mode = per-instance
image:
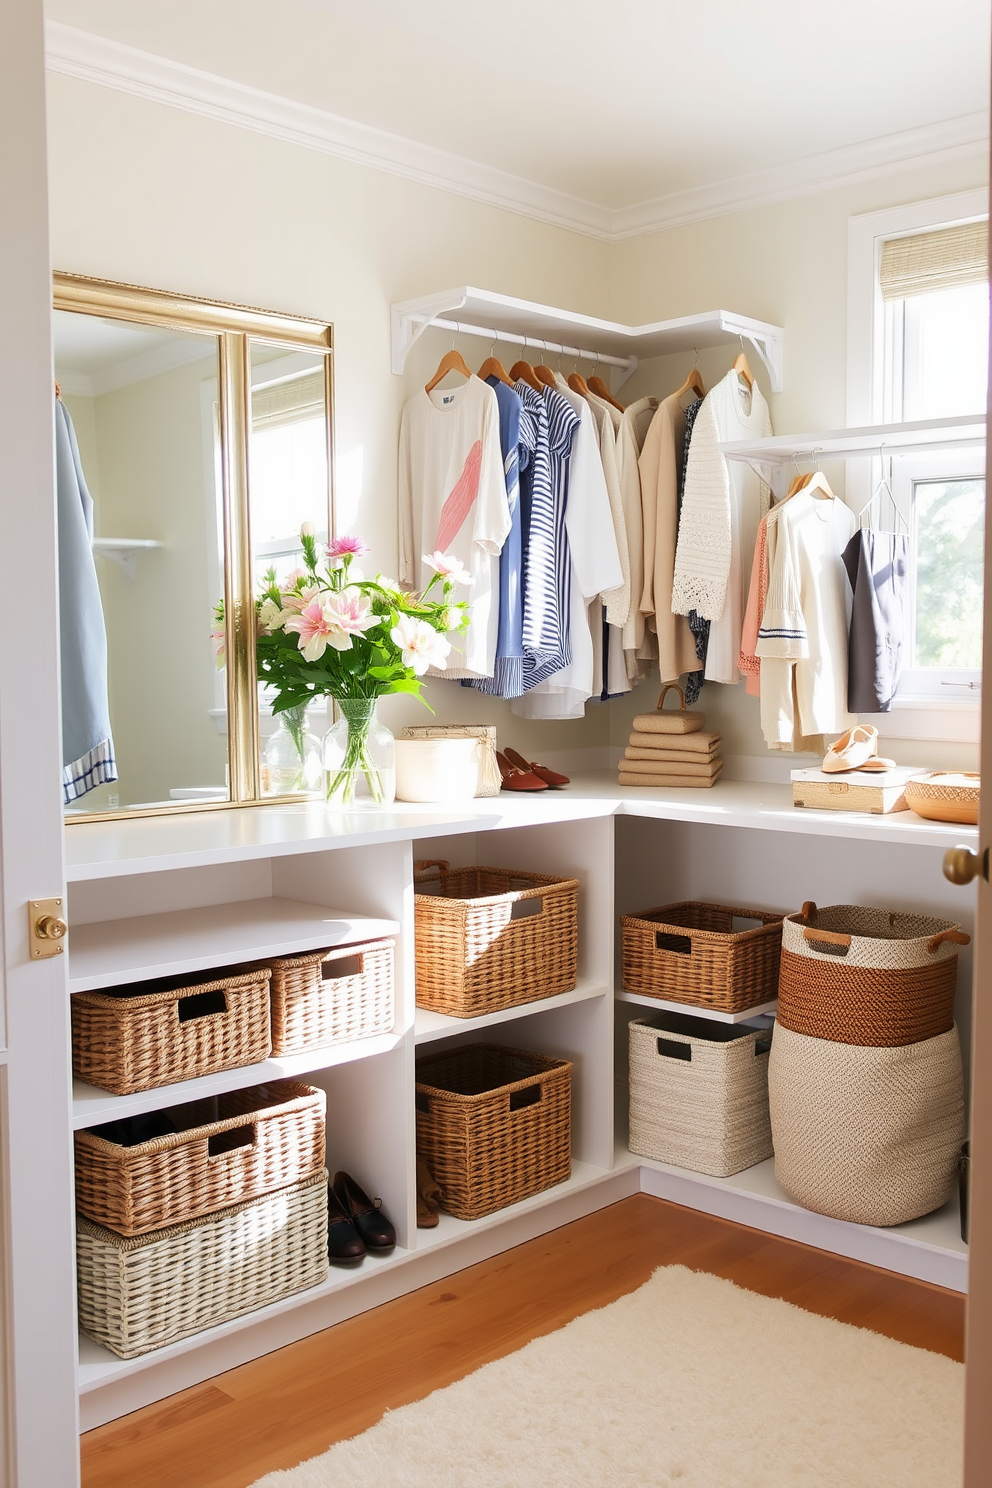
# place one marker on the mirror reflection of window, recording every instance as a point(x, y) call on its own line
point(288, 466)
point(141, 400)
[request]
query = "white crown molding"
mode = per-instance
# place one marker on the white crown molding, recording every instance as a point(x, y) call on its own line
point(110, 64)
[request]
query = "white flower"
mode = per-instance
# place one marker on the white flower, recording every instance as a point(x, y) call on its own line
point(308, 530)
point(270, 615)
point(449, 567)
point(421, 645)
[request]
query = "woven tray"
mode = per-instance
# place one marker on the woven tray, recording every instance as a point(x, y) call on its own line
point(328, 996)
point(691, 953)
point(140, 1294)
point(867, 977)
point(493, 1125)
point(699, 1093)
point(491, 938)
point(224, 1151)
point(149, 1034)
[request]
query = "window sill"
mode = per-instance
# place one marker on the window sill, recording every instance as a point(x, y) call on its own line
point(946, 720)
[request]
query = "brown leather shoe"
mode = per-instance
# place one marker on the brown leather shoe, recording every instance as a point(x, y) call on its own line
point(550, 777)
point(516, 779)
point(344, 1244)
point(365, 1214)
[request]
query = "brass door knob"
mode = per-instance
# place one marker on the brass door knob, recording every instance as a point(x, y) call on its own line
point(961, 865)
point(51, 927)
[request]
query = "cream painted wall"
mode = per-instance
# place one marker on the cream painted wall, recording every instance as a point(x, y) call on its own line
point(173, 200)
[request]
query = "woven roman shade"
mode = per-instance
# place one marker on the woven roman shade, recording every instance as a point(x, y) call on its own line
point(929, 261)
point(288, 402)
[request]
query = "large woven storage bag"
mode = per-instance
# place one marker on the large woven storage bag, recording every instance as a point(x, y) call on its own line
point(870, 1135)
point(867, 976)
point(699, 1093)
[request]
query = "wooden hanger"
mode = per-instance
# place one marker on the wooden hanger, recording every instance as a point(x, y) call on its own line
point(818, 482)
point(797, 483)
point(742, 367)
point(692, 384)
point(578, 384)
point(452, 361)
point(524, 372)
point(493, 367)
point(598, 386)
point(58, 390)
point(544, 374)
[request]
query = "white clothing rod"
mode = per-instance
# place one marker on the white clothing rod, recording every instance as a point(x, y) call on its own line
point(492, 334)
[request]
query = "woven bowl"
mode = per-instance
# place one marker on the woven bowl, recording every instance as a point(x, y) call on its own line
point(945, 796)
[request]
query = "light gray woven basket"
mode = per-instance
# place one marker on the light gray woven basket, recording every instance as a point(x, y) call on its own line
point(870, 1135)
point(706, 1110)
point(142, 1293)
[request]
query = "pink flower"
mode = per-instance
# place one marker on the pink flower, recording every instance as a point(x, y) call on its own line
point(219, 634)
point(318, 626)
point(351, 611)
point(421, 645)
point(295, 599)
point(449, 567)
point(346, 547)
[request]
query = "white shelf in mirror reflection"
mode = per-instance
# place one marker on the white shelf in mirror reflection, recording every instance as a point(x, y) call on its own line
point(125, 551)
point(112, 952)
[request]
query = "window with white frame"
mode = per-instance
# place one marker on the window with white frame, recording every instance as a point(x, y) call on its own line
point(932, 319)
point(288, 474)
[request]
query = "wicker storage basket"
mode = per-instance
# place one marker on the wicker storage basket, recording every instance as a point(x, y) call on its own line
point(327, 996)
point(869, 1135)
point(222, 1151)
point(945, 796)
point(692, 953)
point(140, 1294)
point(157, 1033)
point(868, 977)
point(699, 1093)
point(493, 1125)
point(490, 938)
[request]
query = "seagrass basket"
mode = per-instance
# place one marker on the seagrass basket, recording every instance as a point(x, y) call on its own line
point(867, 976)
point(699, 1093)
point(490, 938)
point(220, 1151)
point(148, 1034)
point(142, 1293)
point(694, 953)
point(493, 1125)
point(327, 996)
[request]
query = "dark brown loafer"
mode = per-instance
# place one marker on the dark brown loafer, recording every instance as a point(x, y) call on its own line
point(344, 1244)
point(365, 1214)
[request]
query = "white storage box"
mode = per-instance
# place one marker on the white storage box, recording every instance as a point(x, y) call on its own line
point(699, 1093)
point(438, 770)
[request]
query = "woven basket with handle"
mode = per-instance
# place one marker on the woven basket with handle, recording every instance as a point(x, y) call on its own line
point(694, 953)
point(490, 938)
point(140, 1294)
point(326, 996)
point(493, 1125)
point(223, 1151)
point(147, 1034)
point(867, 976)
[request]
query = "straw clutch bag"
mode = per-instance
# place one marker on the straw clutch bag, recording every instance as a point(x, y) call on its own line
point(681, 721)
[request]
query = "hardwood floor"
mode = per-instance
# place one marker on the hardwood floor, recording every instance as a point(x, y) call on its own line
point(294, 1403)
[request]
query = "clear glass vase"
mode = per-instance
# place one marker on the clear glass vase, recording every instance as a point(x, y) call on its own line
point(292, 759)
point(359, 757)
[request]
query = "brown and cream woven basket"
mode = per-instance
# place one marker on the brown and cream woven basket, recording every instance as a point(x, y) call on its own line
point(490, 938)
point(327, 996)
point(699, 1093)
point(140, 1294)
point(868, 976)
point(870, 1135)
point(223, 1151)
point(493, 1125)
point(694, 953)
point(951, 796)
point(148, 1034)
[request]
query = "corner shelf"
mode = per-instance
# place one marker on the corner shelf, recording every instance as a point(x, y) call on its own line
point(430, 1026)
point(481, 311)
point(112, 952)
point(125, 551)
point(692, 1011)
point(967, 432)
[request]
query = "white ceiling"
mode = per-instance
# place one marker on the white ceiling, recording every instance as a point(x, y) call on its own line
point(616, 102)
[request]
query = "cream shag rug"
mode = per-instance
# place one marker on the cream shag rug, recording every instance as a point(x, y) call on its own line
point(689, 1381)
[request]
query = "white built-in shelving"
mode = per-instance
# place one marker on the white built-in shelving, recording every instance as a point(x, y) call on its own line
point(762, 1010)
point(966, 432)
point(430, 1026)
point(483, 312)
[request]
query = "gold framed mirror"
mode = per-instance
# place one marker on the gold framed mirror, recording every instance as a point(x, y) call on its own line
point(203, 432)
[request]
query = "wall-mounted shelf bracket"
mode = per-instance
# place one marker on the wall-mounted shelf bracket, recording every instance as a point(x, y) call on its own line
point(124, 551)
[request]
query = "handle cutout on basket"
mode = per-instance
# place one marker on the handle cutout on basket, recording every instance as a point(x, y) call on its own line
point(951, 937)
point(680, 944)
point(525, 909)
point(827, 942)
point(342, 966)
point(519, 1099)
point(230, 1141)
point(672, 1049)
point(762, 1046)
point(201, 1005)
point(422, 1101)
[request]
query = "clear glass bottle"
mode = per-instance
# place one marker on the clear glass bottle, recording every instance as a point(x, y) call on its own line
point(292, 759)
point(359, 756)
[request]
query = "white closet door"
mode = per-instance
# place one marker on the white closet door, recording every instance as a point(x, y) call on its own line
point(37, 1291)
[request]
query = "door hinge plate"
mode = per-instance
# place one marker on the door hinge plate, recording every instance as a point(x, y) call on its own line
point(46, 928)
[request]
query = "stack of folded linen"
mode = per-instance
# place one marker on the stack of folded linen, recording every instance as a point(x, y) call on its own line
point(671, 749)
